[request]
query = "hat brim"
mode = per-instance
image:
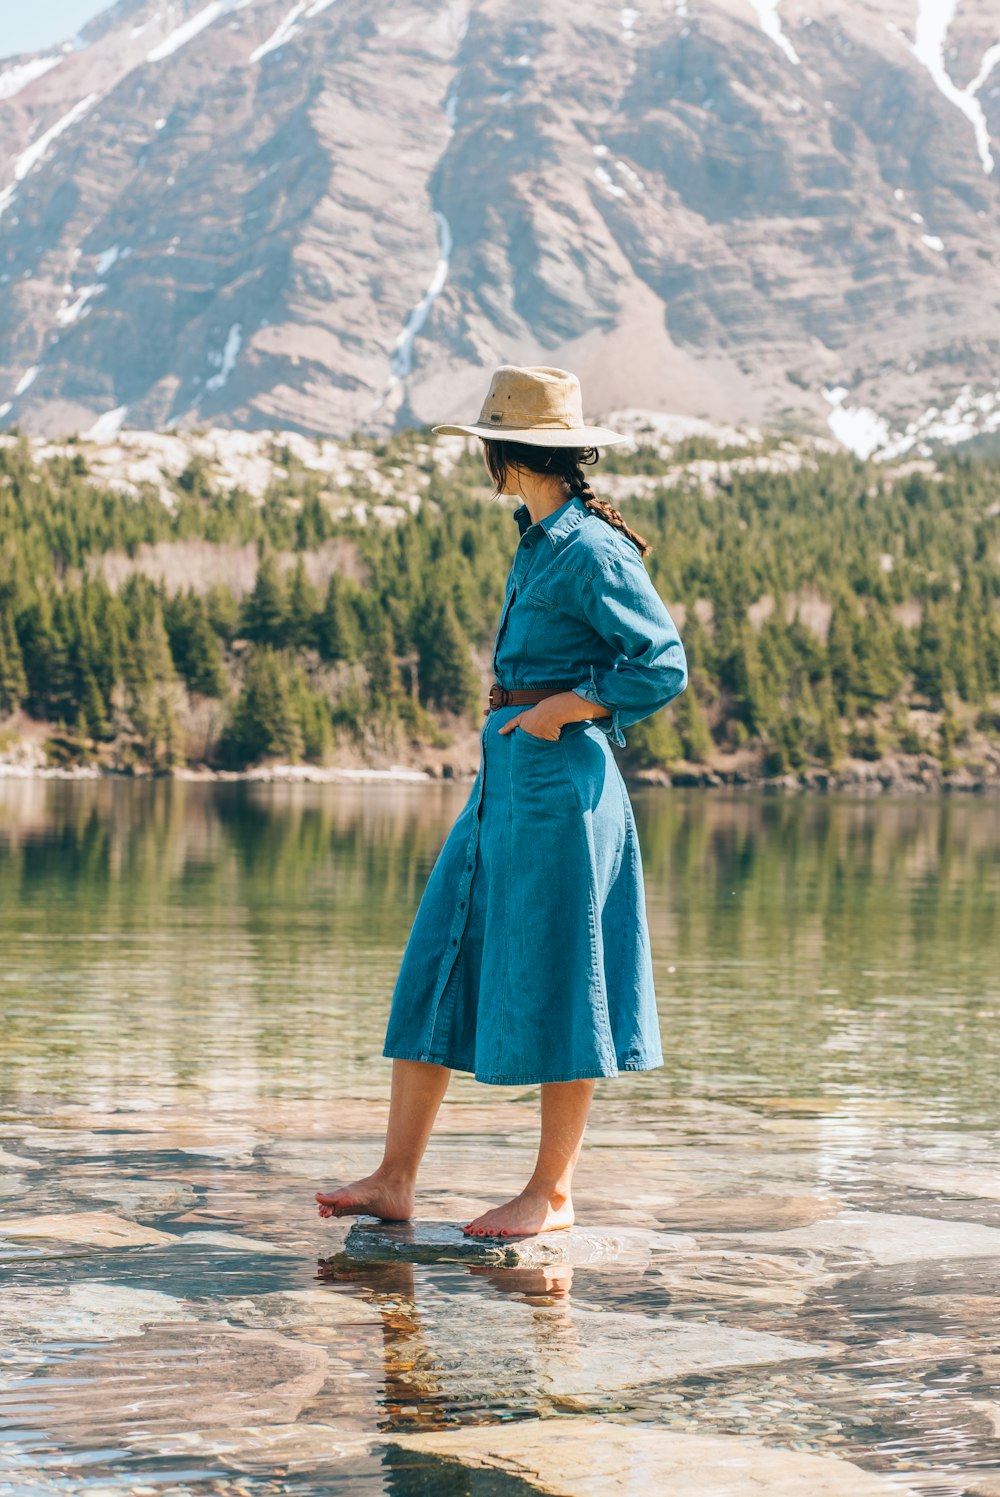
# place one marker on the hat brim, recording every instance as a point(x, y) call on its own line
point(538, 436)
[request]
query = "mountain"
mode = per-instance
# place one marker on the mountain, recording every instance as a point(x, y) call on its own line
point(328, 216)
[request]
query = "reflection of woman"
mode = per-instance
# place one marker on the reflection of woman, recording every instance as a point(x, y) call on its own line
point(528, 961)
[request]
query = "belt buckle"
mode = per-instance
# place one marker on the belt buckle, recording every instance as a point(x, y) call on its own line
point(499, 696)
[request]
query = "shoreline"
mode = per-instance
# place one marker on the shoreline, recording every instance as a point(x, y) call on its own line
point(862, 780)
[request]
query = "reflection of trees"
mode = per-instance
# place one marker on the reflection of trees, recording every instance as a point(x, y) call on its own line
point(181, 930)
point(825, 942)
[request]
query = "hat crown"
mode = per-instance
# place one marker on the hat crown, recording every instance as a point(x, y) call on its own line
point(531, 396)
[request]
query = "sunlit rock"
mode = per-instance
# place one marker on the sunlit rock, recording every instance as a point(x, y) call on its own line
point(132, 1196)
point(512, 1349)
point(595, 1458)
point(229, 1242)
point(975, 1184)
point(300, 1307)
point(10, 1161)
point(12, 1186)
point(888, 1238)
point(180, 1378)
point(88, 1228)
point(736, 1277)
point(92, 1310)
point(747, 1213)
point(292, 1447)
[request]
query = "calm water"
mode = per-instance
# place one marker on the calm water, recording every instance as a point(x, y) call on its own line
point(193, 992)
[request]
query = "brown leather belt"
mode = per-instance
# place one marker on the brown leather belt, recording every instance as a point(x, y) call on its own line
point(500, 697)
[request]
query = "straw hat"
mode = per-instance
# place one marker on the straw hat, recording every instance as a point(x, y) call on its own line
point(542, 407)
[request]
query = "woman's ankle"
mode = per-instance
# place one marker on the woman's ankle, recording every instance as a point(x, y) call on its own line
point(393, 1173)
point(558, 1193)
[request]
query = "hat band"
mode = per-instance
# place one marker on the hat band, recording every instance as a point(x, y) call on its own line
point(527, 424)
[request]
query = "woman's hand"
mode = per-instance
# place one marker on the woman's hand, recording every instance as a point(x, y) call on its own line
point(546, 718)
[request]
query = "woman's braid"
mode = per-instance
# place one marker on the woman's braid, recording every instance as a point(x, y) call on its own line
point(578, 484)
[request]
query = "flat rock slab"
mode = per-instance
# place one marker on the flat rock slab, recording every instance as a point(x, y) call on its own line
point(87, 1229)
point(888, 1238)
point(133, 1197)
point(505, 1348)
point(179, 1378)
point(93, 1310)
point(286, 1309)
point(443, 1242)
point(770, 1213)
point(595, 1458)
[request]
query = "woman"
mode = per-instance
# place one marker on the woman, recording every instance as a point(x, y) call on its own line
point(528, 962)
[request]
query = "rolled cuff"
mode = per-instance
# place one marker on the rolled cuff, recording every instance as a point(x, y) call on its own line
point(609, 725)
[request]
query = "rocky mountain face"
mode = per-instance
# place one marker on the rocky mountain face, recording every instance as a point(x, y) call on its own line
point(326, 216)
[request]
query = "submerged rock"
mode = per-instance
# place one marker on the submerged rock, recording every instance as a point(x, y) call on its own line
point(294, 1308)
point(595, 1458)
point(86, 1228)
point(94, 1310)
point(735, 1277)
point(230, 1242)
point(889, 1239)
point(442, 1242)
point(773, 1213)
point(179, 1378)
point(134, 1197)
point(509, 1349)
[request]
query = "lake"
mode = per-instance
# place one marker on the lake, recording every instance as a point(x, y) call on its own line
point(193, 992)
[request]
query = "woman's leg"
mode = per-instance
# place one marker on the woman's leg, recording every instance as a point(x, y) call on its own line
point(417, 1089)
point(546, 1202)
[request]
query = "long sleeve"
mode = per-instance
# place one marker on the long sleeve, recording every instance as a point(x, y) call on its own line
point(649, 667)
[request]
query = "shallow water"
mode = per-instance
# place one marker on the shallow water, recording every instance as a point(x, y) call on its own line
point(193, 988)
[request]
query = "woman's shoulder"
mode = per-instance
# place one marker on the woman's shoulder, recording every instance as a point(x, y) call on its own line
point(596, 549)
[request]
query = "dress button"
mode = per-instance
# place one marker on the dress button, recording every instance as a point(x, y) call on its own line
point(461, 904)
point(454, 940)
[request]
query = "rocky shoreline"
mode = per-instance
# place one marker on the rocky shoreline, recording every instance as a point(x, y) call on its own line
point(922, 777)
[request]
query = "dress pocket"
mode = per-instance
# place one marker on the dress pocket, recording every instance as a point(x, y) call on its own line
point(526, 737)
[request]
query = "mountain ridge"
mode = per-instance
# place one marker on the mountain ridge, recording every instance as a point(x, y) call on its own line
point(265, 214)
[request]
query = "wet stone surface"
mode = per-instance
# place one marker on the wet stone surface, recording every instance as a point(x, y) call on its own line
point(785, 1276)
point(370, 1241)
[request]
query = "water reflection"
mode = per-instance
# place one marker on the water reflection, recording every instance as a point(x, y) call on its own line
point(193, 990)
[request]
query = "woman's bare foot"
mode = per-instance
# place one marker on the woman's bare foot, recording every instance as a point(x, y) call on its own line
point(533, 1211)
point(389, 1196)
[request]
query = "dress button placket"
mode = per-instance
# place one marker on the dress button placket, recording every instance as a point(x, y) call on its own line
point(460, 921)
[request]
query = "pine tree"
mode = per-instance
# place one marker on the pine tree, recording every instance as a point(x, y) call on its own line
point(692, 726)
point(265, 613)
point(302, 608)
point(385, 684)
point(337, 634)
point(448, 676)
point(13, 681)
point(264, 721)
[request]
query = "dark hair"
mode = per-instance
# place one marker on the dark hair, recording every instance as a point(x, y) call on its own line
point(566, 463)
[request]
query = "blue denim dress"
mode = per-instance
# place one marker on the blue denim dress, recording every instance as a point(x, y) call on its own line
point(528, 960)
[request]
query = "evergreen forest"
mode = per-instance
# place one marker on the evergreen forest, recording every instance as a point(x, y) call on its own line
point(832, 610)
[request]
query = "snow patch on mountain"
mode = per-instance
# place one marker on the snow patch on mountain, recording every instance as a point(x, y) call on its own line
point(32, 155)
point(867, 434)
point(402, 354)
point(767, 15)
point(12, 80)
point(107, 258)
point(108, 425)
point(71, 312)
point(934, 18)
point(27, 380)
point(858, 428)
point(227, 359)
point(283, 32)
point(186, 32)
